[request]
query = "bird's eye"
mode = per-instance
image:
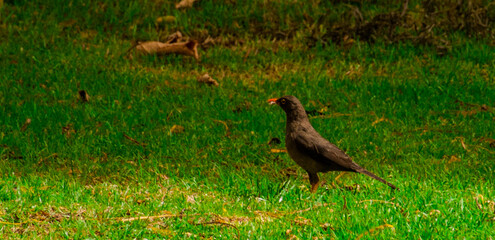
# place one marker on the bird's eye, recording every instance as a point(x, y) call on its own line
point(282, 101)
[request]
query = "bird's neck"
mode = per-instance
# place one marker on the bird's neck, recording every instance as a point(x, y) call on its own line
point(296, 118)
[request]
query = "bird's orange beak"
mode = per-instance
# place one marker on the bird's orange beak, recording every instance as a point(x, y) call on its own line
point(272, 100)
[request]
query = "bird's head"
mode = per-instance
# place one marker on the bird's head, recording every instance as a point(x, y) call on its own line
point(289, 104)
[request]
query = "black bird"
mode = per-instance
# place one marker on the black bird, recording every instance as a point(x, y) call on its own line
point(309, 149)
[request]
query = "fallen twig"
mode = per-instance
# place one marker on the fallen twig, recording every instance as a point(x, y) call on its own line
point(225, 125)
point(404, 8)
point(21, 223)
point(345, 203)
point(222, 223)
point(339, 176)
point(151, 217)
point(380, 201)
point(134, 140)
point(26, 124)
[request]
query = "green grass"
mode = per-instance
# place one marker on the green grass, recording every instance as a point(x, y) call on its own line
point(423, 122)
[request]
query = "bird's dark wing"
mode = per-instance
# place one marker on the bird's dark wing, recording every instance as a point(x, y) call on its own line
point(321, 150)
point(309, 142)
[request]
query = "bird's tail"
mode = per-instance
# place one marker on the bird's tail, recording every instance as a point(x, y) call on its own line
point(364, 171)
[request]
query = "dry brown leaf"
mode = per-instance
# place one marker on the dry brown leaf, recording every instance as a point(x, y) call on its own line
point(453, 158)
point(348, 42)
point(132, 163)
point(188, 234)
point(74, 171)
point(185, 4)
point(326, 226)
point(382, 119)
point(465, 113)
point(491, 206)
point(488, 205)
point(355, 71)
point(174, 37)
point(208, 41)
point(434, 212)
point(64, 24)
point(191, 199)
point(40, 216)
point(290, 236)
point(207, 80)
point(163, 176)
point(302, 221)
point(177, 129)
point(83, 96)
point(189, 48)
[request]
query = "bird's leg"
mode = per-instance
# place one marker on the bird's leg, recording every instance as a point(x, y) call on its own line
point(314, 180)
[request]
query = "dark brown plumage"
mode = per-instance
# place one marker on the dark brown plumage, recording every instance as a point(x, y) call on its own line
point(309, 149)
